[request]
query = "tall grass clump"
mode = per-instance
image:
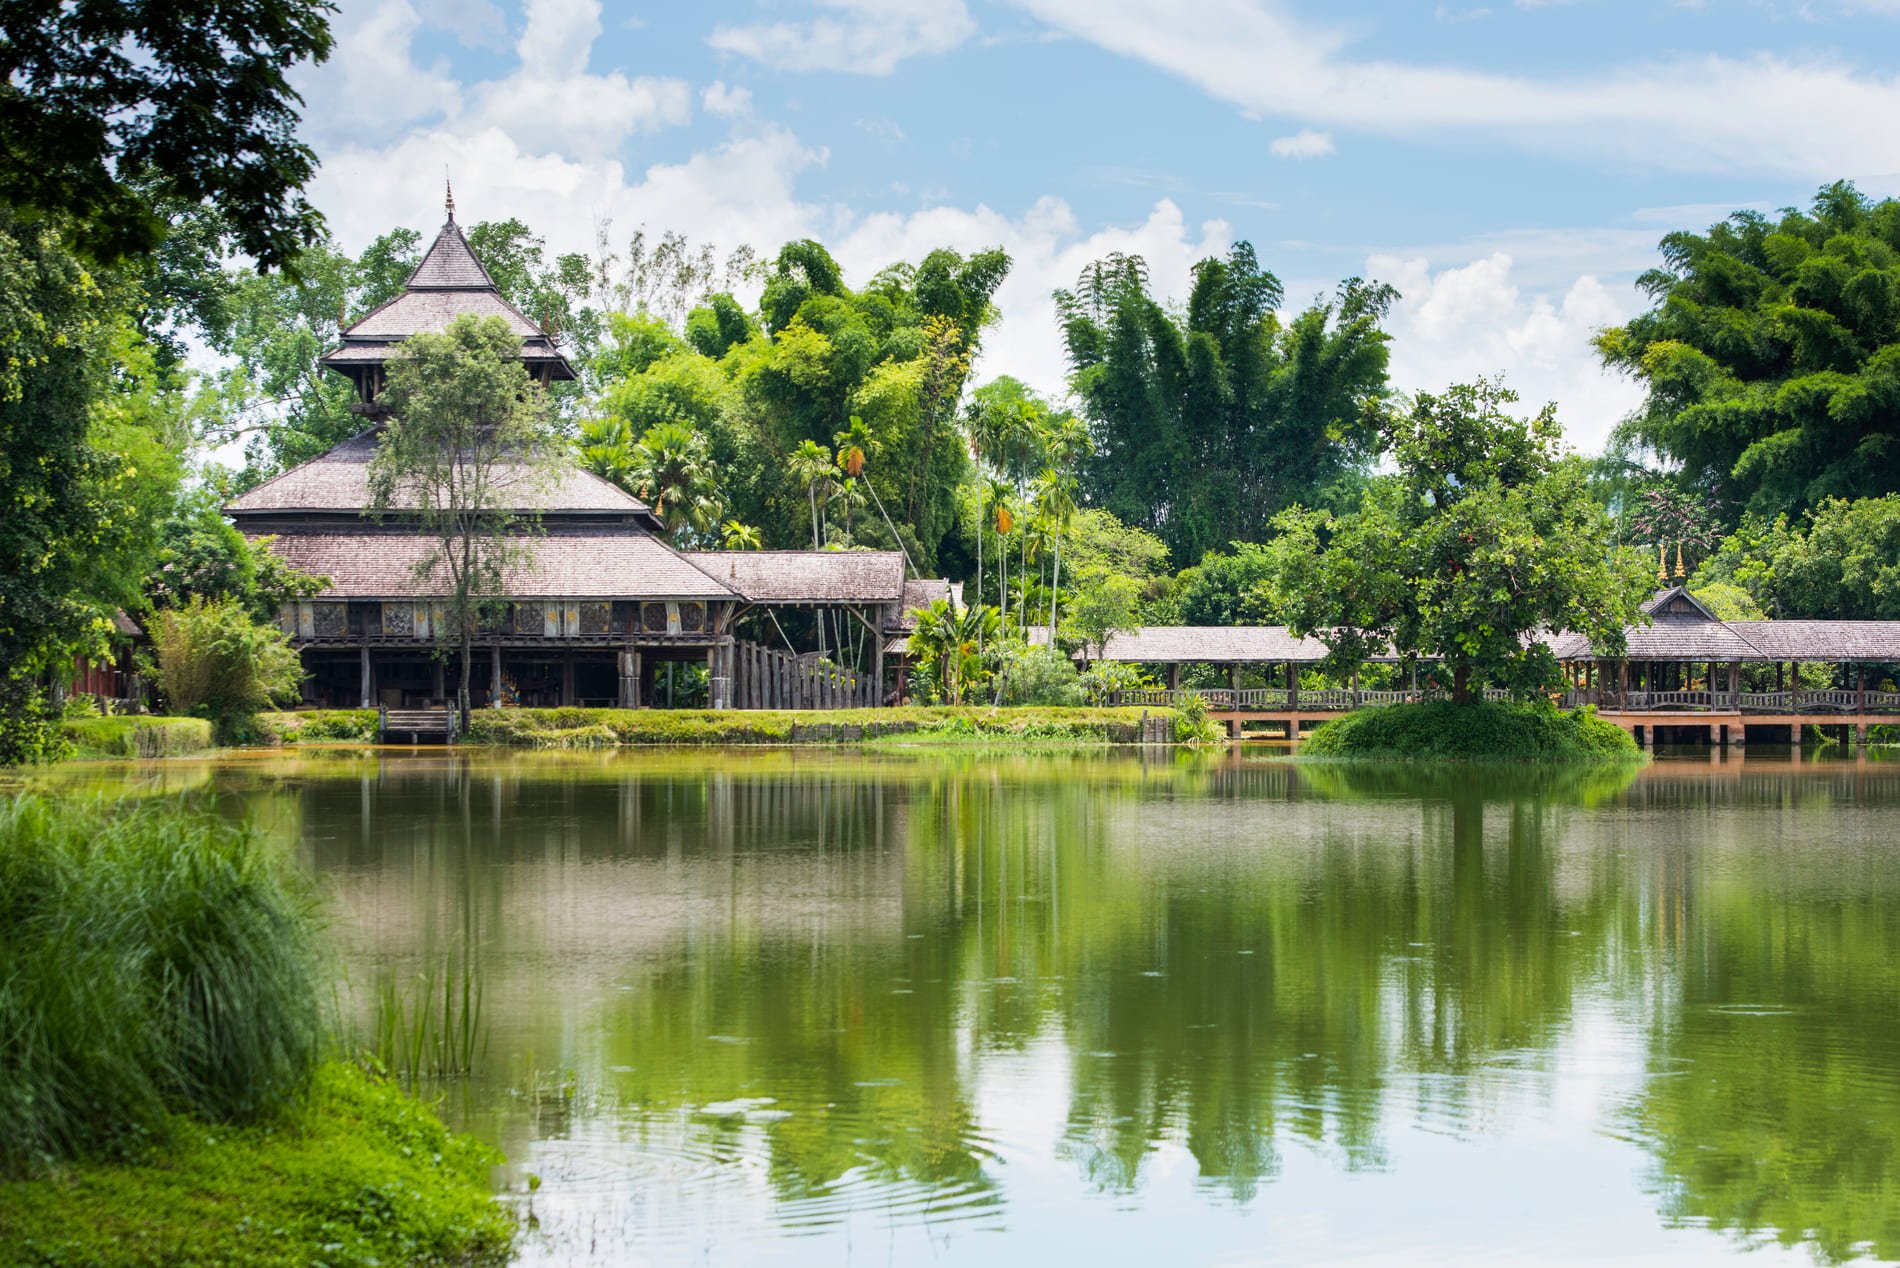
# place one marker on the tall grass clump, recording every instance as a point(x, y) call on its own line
point(1486, 729)
point(153, 962)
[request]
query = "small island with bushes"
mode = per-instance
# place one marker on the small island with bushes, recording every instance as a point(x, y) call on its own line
point(1479, 729)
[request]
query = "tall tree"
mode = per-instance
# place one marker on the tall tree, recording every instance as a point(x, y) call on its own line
point(1209, 421)
point(96, 98)
point(1485, 533)
point(469, 445)
point(1772, 355)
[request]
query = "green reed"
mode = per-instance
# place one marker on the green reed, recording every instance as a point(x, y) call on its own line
point(430, 1025)
point(153, 960)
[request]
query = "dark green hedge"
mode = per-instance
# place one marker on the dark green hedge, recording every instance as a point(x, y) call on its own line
point(1478, 730)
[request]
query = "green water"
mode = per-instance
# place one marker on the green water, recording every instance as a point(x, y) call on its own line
point(798, 1008)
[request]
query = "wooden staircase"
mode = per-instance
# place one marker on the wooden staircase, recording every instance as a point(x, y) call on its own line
point(416, 724)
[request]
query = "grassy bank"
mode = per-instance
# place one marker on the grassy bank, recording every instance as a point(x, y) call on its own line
point(137, 736)
point(605, 728)
point(160, 1025)
point(1481, 730)
point(355, 1173)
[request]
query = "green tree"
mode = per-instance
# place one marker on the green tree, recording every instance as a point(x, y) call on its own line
point(1485, 534)
point(947, 645)
point(90, 432)
point(677, 480)
point(813, 469)
point(213, 660)
point(1771, 356)
point(469, 445)
point(201, 555)
point(736, 536)
point(100, 102)
point(1209, 421)
point(1841, 563)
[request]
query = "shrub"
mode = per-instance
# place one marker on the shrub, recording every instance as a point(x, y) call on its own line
point(1191, 723)
point(1480, 729)
point(215, 662)
point(152, 963)
point(1041, 676)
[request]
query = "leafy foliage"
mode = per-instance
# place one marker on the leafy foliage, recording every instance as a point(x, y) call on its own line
point(1208, 423)
point(1772, 355)
point(1485, 533)
point(214, 661)
point(1440, 729)
point(947, 647)
point(98, 99)
point(1842, 563)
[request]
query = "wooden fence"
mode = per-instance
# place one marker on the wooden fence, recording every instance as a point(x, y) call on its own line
point(1280, 699)
point(1829, 700)
point(765, 679)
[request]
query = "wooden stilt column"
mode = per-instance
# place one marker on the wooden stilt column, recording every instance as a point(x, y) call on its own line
point(438, 687)
point(877, 667)
point(369, 679)
point(494, 676)
point(628, 664)
point(567, 679)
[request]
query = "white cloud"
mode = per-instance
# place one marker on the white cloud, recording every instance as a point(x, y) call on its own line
point(550, 102)
point(866, 37)
point(726, 100)
point(1304, 144)
point(1457, 323)
point(1815, 117)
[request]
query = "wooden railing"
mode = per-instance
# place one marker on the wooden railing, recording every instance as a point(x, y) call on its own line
point(1280, 699)
point(765, 679)
point(1826, 700)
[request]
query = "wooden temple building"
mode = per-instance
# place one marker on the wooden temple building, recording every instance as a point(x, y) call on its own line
point(599, 603)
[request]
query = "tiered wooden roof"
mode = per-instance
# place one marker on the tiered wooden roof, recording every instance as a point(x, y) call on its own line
point(810, 577)
point(448, 283)
point(559, 564)
point(1214, 645)
point(337, 483)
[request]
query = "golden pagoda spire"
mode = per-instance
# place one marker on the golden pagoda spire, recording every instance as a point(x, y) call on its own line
point(1680, 574)
point(1662, 562)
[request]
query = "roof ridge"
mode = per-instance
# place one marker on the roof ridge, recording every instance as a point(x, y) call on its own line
point(447, 240)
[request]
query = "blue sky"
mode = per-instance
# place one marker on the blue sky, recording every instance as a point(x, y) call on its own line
point(1509, 167)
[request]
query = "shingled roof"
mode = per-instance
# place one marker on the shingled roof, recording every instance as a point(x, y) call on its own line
point(448, 283)
point(556, 565)
point(1683, 628)
point(1211, 644)
point(338, 482)
point(807, 576)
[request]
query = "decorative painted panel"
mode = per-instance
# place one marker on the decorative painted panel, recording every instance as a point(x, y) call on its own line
point(329, 620)
point(692, 617)
point(653, 618)
point(596, 618)
point(530, 618)
point(399, 620)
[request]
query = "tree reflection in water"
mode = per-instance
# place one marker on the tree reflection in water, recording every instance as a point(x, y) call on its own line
point(818, 963)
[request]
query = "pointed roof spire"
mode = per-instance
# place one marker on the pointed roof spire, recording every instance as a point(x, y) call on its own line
point(449, 199)
point(449, 264)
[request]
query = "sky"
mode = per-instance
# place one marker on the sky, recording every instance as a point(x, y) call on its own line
point(1509, 167)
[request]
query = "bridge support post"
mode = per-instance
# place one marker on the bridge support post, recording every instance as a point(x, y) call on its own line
point(1737, 733)
point(1236, 729)
point(1794, 734)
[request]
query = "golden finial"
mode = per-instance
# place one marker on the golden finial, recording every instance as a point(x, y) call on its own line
point(1680, 574)
point(1662, 561)
point(449, 197)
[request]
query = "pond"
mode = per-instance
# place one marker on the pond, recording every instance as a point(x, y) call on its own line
point(794, 1007)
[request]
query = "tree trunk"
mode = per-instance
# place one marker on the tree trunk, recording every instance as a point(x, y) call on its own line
point(1055, 588)
point(461, 688)
point(979, 546)
point(1461, 685)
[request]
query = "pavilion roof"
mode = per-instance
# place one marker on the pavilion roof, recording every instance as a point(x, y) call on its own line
point(558, 564)
point(1215, 645)
point(338, 481)
point(807, 576)
point(1823, 640)
point(449, 282)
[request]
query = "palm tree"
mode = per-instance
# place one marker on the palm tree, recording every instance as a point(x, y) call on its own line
point(736, 536)
point(952, 641)
point(609, 450)
point(675, 476)
point(812, 467)
point(1055, 508)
